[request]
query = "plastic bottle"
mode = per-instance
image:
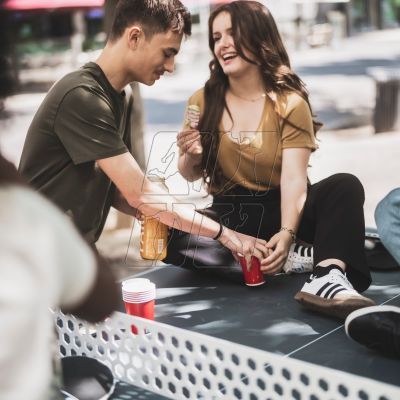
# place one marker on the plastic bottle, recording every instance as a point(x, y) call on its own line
point(154, 234)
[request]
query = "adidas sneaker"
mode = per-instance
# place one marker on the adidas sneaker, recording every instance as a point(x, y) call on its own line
point(300, 259)
point(331, 294)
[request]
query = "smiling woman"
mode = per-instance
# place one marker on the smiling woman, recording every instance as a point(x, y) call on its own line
point(252, 147)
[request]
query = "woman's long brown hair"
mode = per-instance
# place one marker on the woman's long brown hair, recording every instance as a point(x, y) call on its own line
point(253, 30)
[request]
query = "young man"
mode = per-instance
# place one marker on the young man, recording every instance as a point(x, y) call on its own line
point(77, 148)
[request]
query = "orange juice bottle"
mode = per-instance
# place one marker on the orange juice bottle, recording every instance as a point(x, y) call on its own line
point(154, 234)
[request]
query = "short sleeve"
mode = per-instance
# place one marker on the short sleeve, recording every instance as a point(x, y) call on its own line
point(298, 130)
point(86, 126)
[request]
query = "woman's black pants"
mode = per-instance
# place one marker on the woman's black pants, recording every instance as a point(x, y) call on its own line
point(332, 221)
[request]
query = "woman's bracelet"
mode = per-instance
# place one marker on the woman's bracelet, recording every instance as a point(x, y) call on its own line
point(291, 231)
point(219, 234)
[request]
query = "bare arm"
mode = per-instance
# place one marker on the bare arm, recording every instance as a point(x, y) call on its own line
point(120, 203)
point(293, 196)
point(103, 298)
point(150, 200)
point(293, 185)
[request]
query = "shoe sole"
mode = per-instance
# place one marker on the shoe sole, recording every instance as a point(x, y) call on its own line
point(339, 308)
point(368, 310)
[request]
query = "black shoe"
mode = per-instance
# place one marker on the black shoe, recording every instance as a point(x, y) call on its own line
point(376, 327)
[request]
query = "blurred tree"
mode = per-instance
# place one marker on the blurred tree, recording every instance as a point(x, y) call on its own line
point(7, 78)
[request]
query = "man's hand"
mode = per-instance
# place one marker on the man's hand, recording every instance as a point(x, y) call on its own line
point(246, 245)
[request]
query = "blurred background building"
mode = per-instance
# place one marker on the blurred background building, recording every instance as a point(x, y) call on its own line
point(48, 32)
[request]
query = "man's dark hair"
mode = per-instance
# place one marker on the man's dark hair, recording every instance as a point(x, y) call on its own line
point(154, 16)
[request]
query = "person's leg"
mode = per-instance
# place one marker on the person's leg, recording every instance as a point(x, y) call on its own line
point(387, 217)
point(252, 214)
point(192, 251)
point(333, 221)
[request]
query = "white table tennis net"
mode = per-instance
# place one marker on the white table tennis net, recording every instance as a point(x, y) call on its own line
point(180, 364)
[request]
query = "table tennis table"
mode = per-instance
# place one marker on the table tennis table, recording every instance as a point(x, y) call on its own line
point(212, 307)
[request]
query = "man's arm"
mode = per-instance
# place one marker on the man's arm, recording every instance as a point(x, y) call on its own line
point(102, 299)
point(151, 200)
point(120, 203)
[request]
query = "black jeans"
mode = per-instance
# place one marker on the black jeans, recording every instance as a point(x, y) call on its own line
point(332, 221)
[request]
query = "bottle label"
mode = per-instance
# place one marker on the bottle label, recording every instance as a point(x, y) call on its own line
point(160, 246)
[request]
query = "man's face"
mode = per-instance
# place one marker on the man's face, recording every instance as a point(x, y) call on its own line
point(155, 56)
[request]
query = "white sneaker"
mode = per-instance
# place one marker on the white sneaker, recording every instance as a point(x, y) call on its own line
point(300, 259)
point(331, 294)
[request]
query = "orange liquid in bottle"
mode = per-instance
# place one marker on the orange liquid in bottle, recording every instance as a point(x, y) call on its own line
point(153, 240)
point(154, 234)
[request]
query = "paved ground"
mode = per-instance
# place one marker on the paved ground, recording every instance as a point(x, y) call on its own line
point(342, 95)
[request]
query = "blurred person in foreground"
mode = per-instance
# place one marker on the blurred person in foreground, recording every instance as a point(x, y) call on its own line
point(252, 149)
point(378, 327)
point(77, 150)
point(387, 218)
point(44, 263)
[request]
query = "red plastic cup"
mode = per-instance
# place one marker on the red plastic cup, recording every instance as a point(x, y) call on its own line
point(139, 299)
point(254, 276)
point(144, 310)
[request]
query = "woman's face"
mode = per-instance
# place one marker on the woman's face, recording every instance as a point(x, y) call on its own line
point(224, 47)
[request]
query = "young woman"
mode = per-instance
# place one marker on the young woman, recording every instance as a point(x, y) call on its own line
point(252, 148)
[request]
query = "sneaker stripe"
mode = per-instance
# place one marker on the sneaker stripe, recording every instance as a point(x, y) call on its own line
point(299, 249)
point(336, 292)
point(331, 289)
point(327, 284)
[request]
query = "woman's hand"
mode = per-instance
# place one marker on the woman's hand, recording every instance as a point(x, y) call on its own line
point(189, 142)
point(244, 244)
point(279, 246)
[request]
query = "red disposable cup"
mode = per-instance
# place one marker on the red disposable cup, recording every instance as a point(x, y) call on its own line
point(143, 310)
point(139, 298)
point(253, 277)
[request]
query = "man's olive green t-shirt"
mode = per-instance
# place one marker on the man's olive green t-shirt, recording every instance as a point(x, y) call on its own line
point(81, 120)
